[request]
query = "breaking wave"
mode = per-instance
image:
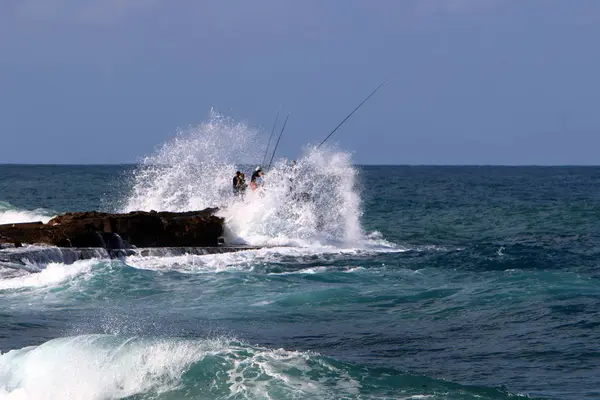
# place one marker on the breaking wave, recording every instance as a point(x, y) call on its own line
point(11, 215)
point(315, 202)
point(111, 367)
point(52, 274)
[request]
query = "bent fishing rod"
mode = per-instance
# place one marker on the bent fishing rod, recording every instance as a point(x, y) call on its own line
point(353, 111)
point(278, 139)
point(270, 137)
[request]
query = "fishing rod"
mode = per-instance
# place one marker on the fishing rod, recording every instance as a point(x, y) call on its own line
point(278, 139)
point(270, 137)
point(353, 111)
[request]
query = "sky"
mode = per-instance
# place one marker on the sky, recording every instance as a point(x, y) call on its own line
point(468, 81)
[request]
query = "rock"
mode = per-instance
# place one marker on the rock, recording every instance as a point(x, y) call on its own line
point(116, 231)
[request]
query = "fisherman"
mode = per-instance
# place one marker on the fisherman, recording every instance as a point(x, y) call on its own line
point(256, 180)
point(236, 183)
point(239, 184)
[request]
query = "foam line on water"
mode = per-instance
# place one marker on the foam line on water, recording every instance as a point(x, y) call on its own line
point(53, 274)
point(319, 270)
point(247, 260)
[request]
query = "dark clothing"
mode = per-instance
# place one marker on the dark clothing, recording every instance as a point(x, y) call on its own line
point(239, 185)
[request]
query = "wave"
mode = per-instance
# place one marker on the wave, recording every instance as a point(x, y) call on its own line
point(11, 215)
point(312, 203)
point(51, 275)
point(105, 366)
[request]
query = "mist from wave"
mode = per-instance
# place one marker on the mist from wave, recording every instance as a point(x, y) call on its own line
point(313, 203)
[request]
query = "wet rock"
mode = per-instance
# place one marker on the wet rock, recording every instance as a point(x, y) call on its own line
point(115, 231)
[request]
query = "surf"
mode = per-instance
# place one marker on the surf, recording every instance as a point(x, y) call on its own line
point(315, 203)
point(101, 366)
point(10, 214)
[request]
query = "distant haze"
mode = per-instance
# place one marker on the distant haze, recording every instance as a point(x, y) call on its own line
point(470, 81)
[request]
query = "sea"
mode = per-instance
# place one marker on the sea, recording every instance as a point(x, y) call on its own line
point(378, 282)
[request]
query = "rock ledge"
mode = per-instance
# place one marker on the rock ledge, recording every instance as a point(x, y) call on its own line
point(120, 231)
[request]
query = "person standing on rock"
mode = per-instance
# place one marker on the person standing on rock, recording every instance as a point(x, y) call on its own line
point(257, 179)
point(239, 184)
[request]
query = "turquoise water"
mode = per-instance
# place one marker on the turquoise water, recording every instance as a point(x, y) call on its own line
point(461, 283)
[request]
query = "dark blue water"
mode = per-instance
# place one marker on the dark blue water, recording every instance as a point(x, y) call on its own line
point(474, 282)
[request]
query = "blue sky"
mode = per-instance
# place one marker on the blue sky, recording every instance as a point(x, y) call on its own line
point(470, 81)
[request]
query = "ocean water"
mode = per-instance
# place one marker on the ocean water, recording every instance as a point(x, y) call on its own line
point(390, 282)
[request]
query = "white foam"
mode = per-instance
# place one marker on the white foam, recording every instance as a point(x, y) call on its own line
point(52, 275)
point(312, 271)
point(195, 169)
point(319, 270)
point(11, 215)
point(355, 269)
point(188, 263)
point(248, 260)
point(315, 203)
point(108, 367)
point(96, 367)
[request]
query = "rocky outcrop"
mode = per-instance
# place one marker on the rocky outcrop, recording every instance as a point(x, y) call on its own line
point(120, 231)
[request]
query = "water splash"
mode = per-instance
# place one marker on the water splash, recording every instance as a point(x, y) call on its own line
point(11, 215)
point(53, 274)
point(315, 202)
point(195, 169)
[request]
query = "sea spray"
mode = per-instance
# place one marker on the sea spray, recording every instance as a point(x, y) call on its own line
point(195, 169)
point(52, 274)
point(10, 214)
point(314, 202)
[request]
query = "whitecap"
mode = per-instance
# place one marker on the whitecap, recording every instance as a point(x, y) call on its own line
point(11, 215)
point(53, 274)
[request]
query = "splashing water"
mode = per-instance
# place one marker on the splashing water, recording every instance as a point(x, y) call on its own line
point(194, 170)
point(54, 273)
point(11, 215)
point(314, 202)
